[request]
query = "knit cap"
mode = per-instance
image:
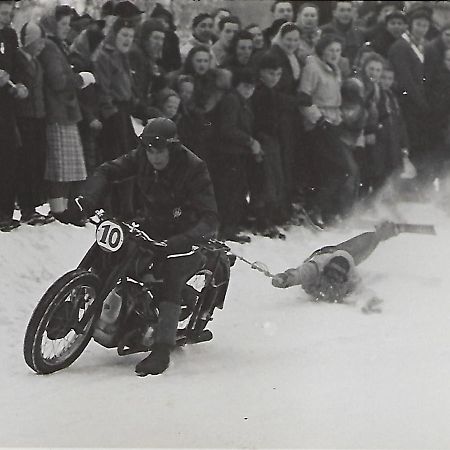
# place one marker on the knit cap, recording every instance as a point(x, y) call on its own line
point(30, 33)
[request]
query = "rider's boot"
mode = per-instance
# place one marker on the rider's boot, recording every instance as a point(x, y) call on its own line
point(158, 360)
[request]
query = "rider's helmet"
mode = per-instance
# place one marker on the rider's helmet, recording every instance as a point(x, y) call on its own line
point(159, 133)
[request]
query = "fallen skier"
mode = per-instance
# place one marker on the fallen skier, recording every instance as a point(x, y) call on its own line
point(329, 274)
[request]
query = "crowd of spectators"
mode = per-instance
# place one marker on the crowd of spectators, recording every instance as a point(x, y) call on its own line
point(302, 119)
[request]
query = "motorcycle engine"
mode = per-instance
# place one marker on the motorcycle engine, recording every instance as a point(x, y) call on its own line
point(127, 318)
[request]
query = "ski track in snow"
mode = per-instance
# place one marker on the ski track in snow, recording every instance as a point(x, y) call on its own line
point(281, 371)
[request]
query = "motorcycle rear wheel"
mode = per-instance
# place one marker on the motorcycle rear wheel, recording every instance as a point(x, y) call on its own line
point(51, 342)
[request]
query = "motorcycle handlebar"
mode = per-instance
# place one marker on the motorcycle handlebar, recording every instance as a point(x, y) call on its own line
point(100, 216)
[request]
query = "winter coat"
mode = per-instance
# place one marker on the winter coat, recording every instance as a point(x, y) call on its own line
point(438, 93)
point(113, 75)
point(381, 42)
point(287, 84)
point(266, 106)
point(171, 57)
point(194, 42)
point(323, 84)
point(394, 131)
point(352, 35)
point(177, 201)
point(9, 136)
point(434, 56)
point(81, 59)
point(234, 125)
point(148, 78)
point(29, 72)
point(410, 76)
point(60, 85)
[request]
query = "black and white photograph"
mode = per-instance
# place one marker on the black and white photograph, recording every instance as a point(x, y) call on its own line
point(225, 224)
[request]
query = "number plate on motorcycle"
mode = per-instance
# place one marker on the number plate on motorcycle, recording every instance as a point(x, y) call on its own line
point(109, 236)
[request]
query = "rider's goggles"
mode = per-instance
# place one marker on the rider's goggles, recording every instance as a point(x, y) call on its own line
point(157, 142)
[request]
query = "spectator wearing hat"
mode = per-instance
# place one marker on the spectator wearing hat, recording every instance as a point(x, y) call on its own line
point(228, 27)
point(31, 115)
point(9, 134)
point(128, 11)
point(282, 12)
point(343, 25)
point(407, 58)
point(107, 14)
point(116, 100)
point(148, 76)
point(171, 57)
point(372, 15)
point(202, 34)
point(394, 26)
point(81, 57)
point(65, 166)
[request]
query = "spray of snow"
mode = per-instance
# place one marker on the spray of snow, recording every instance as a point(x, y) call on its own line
point(281, 370)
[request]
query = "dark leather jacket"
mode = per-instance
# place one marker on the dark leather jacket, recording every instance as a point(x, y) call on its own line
point(177, 201)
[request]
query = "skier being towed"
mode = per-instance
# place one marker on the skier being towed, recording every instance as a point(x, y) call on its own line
point(179, 206)
point(329, 274)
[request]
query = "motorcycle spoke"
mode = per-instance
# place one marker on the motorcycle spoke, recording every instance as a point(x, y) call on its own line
point(56, 348)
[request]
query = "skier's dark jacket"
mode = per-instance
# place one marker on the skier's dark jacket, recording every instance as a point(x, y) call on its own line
point(178, 202)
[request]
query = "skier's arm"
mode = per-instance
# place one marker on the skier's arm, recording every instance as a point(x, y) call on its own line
point(303, 275)
point(362, 246)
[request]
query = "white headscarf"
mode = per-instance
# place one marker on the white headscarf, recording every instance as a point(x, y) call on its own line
point(295, 65)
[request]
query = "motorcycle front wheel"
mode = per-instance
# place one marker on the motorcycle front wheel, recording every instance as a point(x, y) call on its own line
point(53, 339)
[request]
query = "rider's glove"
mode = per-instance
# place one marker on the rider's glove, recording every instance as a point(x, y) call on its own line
point(176, 244)
point(280, 280)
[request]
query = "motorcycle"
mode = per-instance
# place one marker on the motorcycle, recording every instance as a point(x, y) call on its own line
point(113, 297)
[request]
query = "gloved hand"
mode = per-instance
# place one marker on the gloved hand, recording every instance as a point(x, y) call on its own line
point(280, 280)
point(386, 230)
point(175, 244)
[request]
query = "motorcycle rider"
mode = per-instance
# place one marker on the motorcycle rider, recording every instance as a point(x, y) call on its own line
point(329, 274)
point(179, 206)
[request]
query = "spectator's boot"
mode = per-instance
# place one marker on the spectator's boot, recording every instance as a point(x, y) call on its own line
point(8, 224)
point(158, 360)
point(35, 218)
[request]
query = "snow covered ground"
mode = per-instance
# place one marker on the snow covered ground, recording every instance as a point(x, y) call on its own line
point(280, 372)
